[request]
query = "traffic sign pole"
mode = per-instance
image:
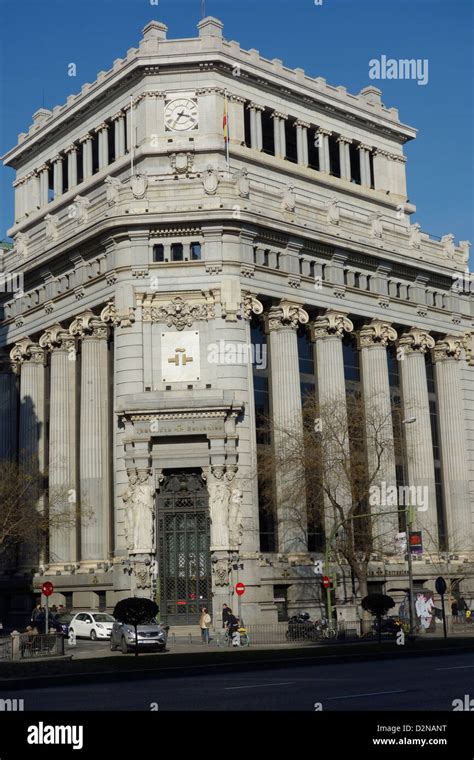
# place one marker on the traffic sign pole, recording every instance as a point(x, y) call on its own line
point(240, 591)
point(47, 589)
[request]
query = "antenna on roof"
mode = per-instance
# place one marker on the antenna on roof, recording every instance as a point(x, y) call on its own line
point(203, 8)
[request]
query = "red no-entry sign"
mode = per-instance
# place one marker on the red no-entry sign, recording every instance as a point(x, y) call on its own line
point(240, 589)
point(47, 588)
point(326, 581)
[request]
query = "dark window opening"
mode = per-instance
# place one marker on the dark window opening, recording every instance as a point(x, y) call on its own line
point(334, 162)
point(313, 150)
point(268, 134)
point(355, 163)
point(248, 139)
point(50, 184)
point(176, 252)
point(266, 258)
point(80, 171)
point(65, 186)
point(351, 359)
point(158, 253)
point(290, 134)
point(95, 153)
point(371, 164)
point(280, 599)
point(195, 249)
point(111, 144)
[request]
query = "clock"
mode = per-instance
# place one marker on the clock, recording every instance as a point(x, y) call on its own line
point(181, 115)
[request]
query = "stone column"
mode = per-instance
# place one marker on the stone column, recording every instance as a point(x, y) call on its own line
point(282, 323)
point(279, 133)
point(44, 182)
point(256, 126)
point(19, 199)
point(102, 131)
point(364, 161)
point(31, 359)
point(95, 444)
point(302, 142)
point(417, 435)
point(119, 134)
point(344, 157)
point(373, 341)
point(71, 166)
point(62, 444)
point(8, 409)
point(327, 332)
point(323, 150)
point(446, 356)
point(58, 175)
point(86, 142)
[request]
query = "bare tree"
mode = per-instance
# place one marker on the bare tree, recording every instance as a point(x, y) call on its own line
point(335, 464)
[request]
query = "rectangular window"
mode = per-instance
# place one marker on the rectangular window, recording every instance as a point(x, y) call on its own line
point(334, 156)
point(195, 251)
point(95, 153)
point(247, 138)
point(355, 163)
point(313, 150)
point(158, 253)
point(176, 252)
point(268, 134)
point(290, 135)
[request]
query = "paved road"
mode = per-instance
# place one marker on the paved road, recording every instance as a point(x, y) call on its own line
point(427, 683)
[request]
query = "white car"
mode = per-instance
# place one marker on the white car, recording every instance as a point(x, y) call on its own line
point(92, 625)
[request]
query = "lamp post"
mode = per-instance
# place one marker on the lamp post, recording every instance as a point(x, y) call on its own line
point(409, 523)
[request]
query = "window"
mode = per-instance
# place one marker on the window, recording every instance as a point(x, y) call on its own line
point(158, 252)
point(247, 138)
point(351, 359)
point(334, 156)
point(95, 153)
point(290, 134)
point(313, 150)
point(355, 163)
point(195, 251)
point(268, 134)
point(176, 252)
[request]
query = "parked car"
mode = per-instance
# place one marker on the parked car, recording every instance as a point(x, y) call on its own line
point(64, 620)
point(390, 625)
point(92, 625)
point(151, 635)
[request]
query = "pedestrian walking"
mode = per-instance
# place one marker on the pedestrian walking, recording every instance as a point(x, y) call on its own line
point(226, 613)
point(204, 624)
point(454, 611)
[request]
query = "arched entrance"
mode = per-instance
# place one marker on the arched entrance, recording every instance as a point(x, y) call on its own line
point(184, 557)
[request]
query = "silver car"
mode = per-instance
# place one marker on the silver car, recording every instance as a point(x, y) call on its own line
point(151, 635)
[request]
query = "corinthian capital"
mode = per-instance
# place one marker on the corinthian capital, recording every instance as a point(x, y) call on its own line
point(416, 340)
point(449, 348)
point(109, 314)
point(27, 351)
point(286, 314)
point(331, 324)
point(57, 337)
point(88, 324)
point(250, 306)
point(377, 333)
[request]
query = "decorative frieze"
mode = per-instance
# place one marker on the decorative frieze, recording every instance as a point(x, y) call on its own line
point(178, 313)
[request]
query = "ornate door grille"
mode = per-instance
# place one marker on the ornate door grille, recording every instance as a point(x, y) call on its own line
point(184, 548)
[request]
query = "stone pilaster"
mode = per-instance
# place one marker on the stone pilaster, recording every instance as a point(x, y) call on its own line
point(8, 409)
point(417, 435)
point(62, 444)
point(446, 356)
point(373, 341)
point(282, 323)
point(95, 444)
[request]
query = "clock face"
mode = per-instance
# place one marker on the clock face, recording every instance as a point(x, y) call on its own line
point(181, 115)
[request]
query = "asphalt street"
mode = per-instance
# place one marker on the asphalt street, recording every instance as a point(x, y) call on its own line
point(424, 683)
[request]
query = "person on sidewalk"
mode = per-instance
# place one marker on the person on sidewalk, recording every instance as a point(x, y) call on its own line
point(454, 611)
point(204, 624)
point(226, 613)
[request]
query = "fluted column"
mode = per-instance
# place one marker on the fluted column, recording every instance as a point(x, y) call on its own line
point(71, 153)
point(373, 341)
point(282, 323)
point(95, 441)
point(102, 131)
point(323, 149)
point(86, 142)
point(302, 142)
point(58, 175)
point(31, 360)
point(279, 133)
point(417, 435)
point(256, 126)
point(276, 133)
point(44, 182)
point(8, 409)
point(446, 356)
point(344, 157)
point(62, 444)
point(19, 199)
point(119, 134)
point(327, 332)
point(364, 161)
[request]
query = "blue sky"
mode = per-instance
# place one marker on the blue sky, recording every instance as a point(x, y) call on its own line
point(334, 40)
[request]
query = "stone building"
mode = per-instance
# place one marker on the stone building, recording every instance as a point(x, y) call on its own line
point(175, 286)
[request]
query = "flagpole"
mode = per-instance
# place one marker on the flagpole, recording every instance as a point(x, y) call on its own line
point(226, 111)
point(132, 141)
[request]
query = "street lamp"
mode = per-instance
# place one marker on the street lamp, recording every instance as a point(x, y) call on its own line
point(409, 522)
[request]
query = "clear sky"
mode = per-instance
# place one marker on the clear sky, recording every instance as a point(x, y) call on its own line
point(335, 40)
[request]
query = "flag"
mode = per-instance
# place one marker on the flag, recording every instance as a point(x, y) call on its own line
point(225, 122)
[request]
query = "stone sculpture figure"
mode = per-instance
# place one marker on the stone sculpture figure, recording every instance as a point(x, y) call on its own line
point(235, 517)
point(139, 515)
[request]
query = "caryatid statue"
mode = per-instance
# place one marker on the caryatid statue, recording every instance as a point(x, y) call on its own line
point(139, 515)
